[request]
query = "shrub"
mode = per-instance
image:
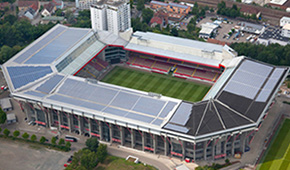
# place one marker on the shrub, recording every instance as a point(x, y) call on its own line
point(33, 138)
point(68, 145)
point(53, 140)
point(42, 139)
point(6, 132)
point(25, 135)
point(61, 141)
point(16, 133)
point(227, 161)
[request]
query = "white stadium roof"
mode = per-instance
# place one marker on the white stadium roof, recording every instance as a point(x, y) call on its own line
point(43, 72)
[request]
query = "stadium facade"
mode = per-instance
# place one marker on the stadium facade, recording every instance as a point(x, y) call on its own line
point(49, 80)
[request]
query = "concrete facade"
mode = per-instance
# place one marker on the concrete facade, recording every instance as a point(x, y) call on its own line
point(217, 147)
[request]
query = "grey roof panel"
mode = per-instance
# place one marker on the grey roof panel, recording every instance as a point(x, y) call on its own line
point(83, 90)
point(36, 94)
point(255, 68)
point(125, 100)
point(139, 117)
point(270, 84)
point(245, 90)
point(176, 128)
point(157, 122)
point(72, 101)
point(57, 46)
point(23, 75)
point(149, 106)
point(170, 105)
point(50, 83)
point(42, 42)
point(114, 111)
point(182, 114)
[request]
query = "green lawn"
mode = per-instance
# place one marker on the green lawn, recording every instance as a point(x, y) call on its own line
point(116, 163)
point(157, 83)
point(278, 155)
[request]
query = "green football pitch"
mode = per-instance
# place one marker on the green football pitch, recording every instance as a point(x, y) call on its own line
point(157, 83)
point(278, 155)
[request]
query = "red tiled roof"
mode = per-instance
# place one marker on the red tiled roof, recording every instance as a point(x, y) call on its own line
point(155, 19)
point(4, 4)
point(250, 10)
point(56, 2)
point(32, 4)
point(49, 7)
point(214, 41)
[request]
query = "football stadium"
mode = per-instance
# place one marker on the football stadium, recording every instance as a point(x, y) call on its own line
point(151, 92)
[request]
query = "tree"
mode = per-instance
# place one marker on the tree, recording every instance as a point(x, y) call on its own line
point(92, 144)
point(190, 27)
point(61, 141)
point(84, 159)
point(140, 5)
point(58, 12)
point(42, 139)
point(6, 132)
point(174, 32)
point(147, 14)
point(68, 144)
point(102, 153)
point(204, 168)
point(25, 135)
point(33, 138)
point(53, 140)
point(3, 115)
point(0, 130)
point(227, 161)
point(16, 133)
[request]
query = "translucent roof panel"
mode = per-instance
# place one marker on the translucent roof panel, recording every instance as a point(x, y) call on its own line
point(83, 90)
point(29, 51)
point(113, 100)
point(23, 75)
point(125, 100)
point(79, 56)
point(248, 79)
point(182, 114)
point(36, 94)
point(149, 106)
point(115, 111)
point(50, 83)
point(176, 128)
point(57, 46)
point(170, 105)
point(76, 102)
point(139, 117)
point(157, 122)
point(270, 84)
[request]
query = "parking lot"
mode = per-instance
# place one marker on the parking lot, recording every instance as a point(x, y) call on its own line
point(16, 155)
point(224, 29)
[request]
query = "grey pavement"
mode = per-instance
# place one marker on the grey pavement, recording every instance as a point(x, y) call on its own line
point(18, 156)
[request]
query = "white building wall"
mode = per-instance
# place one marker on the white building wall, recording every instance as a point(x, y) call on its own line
point(284, 20)
point(113, 20)
point(98, 18)
point(285, 33)
point(110, 17)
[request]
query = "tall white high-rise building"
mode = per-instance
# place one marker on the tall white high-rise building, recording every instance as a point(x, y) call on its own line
point(111, 15)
